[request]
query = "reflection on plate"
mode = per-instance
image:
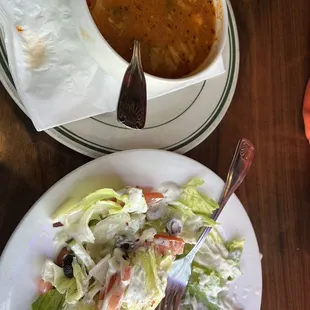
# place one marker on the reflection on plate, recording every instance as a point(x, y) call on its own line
point(31, 243)
point(201, 107)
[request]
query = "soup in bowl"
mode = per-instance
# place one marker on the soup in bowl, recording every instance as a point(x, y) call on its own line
point(179, 39)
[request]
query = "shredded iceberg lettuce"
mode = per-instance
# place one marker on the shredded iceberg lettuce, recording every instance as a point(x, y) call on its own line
point(192, 203)
point(74, 288)
point(214, 267)
point(55, 275)
point(111, 238)
point(82, 254)
point(150, 271)
point(53, 300)
point(80, 285)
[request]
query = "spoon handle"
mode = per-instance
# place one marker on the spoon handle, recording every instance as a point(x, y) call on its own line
point(131, 109)
point(239, 168)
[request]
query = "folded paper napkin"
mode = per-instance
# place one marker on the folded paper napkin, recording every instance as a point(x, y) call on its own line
point(56, 79)
point(306, 111)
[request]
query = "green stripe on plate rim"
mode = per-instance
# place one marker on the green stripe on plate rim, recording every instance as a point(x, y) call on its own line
point(4, 62)
point(107, 150)
point(232, 63)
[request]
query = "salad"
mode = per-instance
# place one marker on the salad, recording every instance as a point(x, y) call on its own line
point(117, 247)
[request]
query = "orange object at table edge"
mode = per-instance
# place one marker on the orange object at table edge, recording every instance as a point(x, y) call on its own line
point(306, 111)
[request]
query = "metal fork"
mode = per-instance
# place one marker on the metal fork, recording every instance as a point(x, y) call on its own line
point(181, 269)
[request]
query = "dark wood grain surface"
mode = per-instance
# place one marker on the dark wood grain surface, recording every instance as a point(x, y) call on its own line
point(275, 66)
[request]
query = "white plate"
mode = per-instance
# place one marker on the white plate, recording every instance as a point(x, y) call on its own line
point(175, 122)
point(31, 242)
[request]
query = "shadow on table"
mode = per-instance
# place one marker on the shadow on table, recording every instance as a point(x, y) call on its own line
point(41, 136)
point(16, 198)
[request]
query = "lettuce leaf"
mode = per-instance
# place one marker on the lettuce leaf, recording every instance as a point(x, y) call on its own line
point(215, 265)
point(111, 226)
point(159, 225)
point(208, 283)
point(194, 209)
point(80, 285)
point(82, 254)
point(136, 202)
point(132, 198)
point(235, 249)
point(150, 273)
point(197, 202)
point(77, 217)
point(78, 228)
point(92, 292)
point(80, 306)
point(117, 225)
point(69, 209)
point(55, 275)
point(214, 255)
point(97, 250)
point(74, 288)
point(52, 300)
point(194, 296)
point(116, 264)
point(99, 271)
point(81, 230)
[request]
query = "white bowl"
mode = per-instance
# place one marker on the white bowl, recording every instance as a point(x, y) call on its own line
point(114, 65)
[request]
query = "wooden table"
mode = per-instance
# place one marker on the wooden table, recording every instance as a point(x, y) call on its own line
point(275, 66)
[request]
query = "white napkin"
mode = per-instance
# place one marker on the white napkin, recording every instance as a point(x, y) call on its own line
point(56, 79)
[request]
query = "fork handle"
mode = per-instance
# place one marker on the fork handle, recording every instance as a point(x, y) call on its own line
point(239, 168)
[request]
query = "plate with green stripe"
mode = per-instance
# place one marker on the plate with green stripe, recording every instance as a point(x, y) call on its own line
point(176, 122)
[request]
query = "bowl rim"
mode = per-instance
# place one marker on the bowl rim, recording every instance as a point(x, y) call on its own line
point(192, 76)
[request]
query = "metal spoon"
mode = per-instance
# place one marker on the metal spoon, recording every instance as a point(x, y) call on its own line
point(131, 109)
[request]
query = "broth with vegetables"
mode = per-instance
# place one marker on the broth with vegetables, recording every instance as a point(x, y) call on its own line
point(176, 36)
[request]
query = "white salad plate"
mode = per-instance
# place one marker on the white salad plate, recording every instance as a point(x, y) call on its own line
point(31, 243)
point(176, 122)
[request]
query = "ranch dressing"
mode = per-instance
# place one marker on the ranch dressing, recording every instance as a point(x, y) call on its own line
point(172, 192)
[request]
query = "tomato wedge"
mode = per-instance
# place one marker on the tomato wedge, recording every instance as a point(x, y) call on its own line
point(112, 281)
point(113, 296)
point(44, 287)
point(152, 197)
point(168, 244)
